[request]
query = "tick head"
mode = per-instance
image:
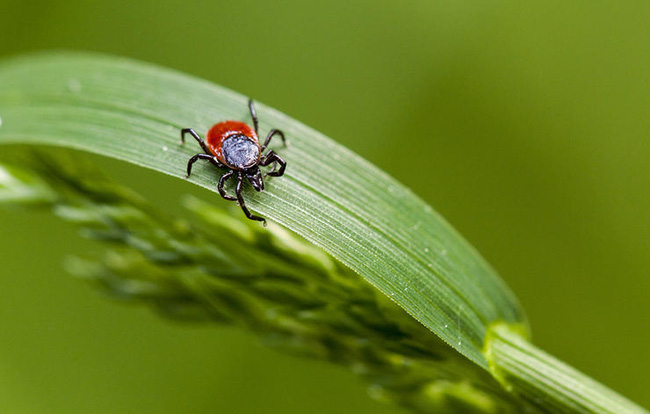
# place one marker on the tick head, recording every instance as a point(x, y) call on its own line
point(254, 176)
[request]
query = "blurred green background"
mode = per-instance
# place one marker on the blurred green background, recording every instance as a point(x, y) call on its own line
point(526, 124)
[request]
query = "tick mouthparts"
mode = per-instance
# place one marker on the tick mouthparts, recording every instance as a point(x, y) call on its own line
point(256, 181)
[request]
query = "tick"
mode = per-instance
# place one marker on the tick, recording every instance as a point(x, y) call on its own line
point(235, 145)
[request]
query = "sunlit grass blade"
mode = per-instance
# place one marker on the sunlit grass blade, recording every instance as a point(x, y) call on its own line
point(329, 195)
point(547, 382)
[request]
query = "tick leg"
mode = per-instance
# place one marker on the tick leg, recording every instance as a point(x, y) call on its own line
point(271, 134)
point(251, 108)
point(216, 162)
point(270, 157)
point(222, 181)
point(195, 159)
point(196, 136)
point(240, 199)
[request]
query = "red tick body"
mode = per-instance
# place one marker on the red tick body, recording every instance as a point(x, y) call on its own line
point(224, 130)
point(236, 146)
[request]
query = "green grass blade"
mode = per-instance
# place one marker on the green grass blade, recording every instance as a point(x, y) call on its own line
point(546, 382)
point(329, 195)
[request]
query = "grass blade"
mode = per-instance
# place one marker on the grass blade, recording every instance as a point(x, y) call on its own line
point(546, 382)
point(330, 196)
